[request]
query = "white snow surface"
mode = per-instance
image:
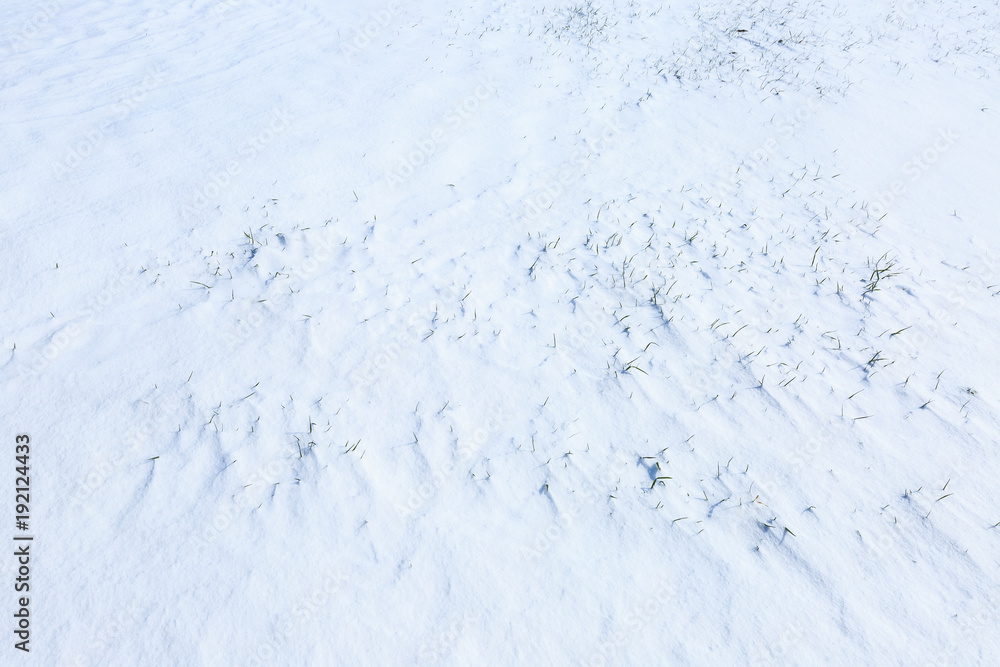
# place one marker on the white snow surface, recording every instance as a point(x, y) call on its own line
point(494, 333)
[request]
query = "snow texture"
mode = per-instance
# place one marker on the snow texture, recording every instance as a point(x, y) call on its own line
point(619, 332)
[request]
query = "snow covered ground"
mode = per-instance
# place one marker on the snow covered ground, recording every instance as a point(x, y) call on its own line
point(613, 332)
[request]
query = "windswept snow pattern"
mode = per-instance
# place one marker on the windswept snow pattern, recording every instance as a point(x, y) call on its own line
point(598, 333)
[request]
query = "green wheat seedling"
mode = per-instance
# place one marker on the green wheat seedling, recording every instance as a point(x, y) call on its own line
point(881, 270)
point(875, 358)
point(658, 480)
point(631, 365)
